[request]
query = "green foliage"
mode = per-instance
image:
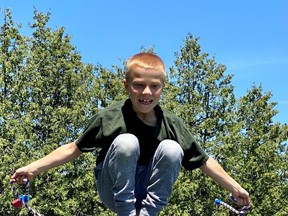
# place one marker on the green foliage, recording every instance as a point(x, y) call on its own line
point(204, 98)
point(239, 134)
point(47, 95)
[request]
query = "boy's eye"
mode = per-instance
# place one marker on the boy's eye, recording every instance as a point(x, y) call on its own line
point(138, 85)
point(141, 85)
point(155, 86)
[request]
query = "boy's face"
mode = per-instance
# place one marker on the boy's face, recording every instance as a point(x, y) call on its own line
point(145, 87)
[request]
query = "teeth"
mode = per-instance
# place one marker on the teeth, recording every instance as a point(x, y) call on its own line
point(145, 101)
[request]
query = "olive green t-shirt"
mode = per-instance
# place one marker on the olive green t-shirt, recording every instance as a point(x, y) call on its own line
point(120, 118)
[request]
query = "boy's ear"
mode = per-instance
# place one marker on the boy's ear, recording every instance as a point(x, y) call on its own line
point(125, 82)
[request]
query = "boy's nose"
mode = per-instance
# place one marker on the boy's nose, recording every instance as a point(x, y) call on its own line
point(147, 90)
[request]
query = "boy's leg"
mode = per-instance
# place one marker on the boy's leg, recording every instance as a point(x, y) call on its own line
point(161, 176)
point(116, 176)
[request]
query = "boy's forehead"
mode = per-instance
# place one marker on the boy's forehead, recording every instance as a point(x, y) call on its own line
point(139, 72)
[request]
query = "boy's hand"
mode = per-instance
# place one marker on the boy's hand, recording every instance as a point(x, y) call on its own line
point(241, 197)
point(21, 174)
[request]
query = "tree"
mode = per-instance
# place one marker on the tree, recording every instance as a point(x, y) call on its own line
point(47, 96)
point(203, 97)
point(262, 154)
point(240, 134)
point(13, 52)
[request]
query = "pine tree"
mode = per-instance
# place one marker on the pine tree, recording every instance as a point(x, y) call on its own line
point(203, 97)
point(47, 96)
point(13, 55)
point(240, 134)
point(46, 100)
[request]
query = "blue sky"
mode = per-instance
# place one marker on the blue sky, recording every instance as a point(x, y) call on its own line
point(250, 37)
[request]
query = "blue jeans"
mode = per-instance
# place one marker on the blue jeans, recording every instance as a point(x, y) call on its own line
point(128, 189)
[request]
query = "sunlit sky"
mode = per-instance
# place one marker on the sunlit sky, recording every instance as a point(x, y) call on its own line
point(250, 37)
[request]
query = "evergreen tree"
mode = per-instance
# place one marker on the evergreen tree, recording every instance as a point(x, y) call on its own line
point(13, 55)
point(260, 148)
point(239, 134)
point(203, 97)
point(47, 96)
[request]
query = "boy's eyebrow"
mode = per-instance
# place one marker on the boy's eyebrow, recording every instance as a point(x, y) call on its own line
point(152, 81)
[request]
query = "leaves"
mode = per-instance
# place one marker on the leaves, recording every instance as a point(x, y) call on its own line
point(47, 95)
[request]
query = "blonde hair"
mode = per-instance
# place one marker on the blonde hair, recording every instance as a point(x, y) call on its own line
point(145, 60)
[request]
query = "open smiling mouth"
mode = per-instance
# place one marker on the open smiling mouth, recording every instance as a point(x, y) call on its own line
point(145, 102)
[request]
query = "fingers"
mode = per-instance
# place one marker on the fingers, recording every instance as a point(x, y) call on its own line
point(241, 199)
point(246, 201)
point(21, 175)
point(20, 179)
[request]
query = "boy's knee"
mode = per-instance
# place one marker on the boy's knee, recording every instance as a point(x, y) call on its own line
point(171, 149)
point(127, 144)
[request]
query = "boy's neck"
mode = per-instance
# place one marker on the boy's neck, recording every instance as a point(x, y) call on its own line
point(148, 118)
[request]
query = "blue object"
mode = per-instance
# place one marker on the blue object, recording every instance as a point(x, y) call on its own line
point(24, 198)
point(217, 201)
point(232, 198)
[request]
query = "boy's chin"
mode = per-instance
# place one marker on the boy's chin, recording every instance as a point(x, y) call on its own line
point(144, 109)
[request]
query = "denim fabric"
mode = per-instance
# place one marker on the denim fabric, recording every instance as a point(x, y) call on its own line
point(128, 189)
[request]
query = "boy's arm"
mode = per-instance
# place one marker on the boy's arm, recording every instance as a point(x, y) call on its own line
point(56, 158)
point(213, 169)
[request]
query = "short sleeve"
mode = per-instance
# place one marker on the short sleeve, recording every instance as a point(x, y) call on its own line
point(194, 154)
point(87, 140)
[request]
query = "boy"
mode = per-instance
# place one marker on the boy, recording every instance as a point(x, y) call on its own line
point(142, 147)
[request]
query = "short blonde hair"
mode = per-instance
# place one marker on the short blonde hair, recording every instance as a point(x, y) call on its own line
point(145, 60)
